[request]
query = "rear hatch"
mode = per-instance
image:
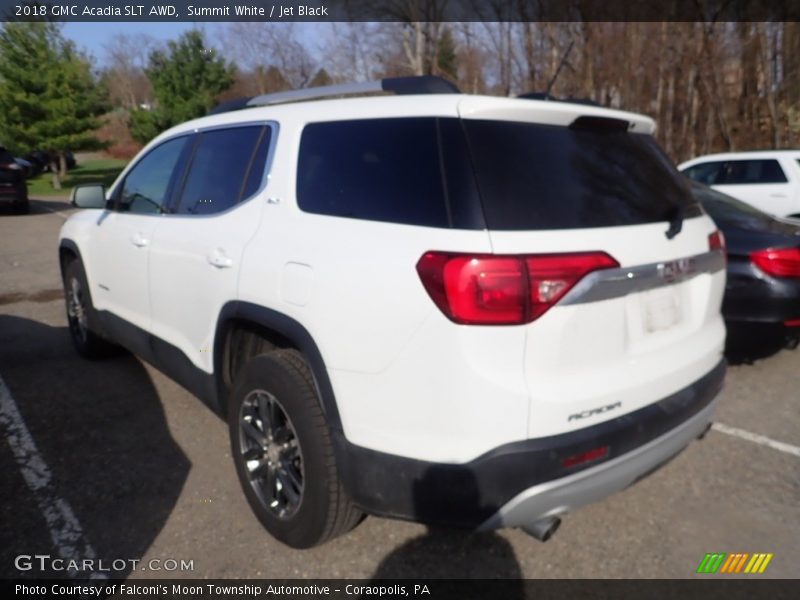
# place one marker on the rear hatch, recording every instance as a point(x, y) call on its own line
point(593, 182)
point(10, 180)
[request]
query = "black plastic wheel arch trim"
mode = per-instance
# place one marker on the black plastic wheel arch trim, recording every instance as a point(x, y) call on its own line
point(292, 330)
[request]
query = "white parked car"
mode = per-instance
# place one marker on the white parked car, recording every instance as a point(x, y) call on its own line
point(472, 311)
point(768, 179)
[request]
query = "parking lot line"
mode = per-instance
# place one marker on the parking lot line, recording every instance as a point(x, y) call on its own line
point(55, 212)
point(64, 527)
point(757, 439)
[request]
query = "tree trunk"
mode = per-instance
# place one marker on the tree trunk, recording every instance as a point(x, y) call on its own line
point(588, 87)
point(413, 46)
point(55, 170)
point(62, 165)
point(710, 78)
point(669, 113)
point(660, 86)
point(530, 56)
point(768, 54)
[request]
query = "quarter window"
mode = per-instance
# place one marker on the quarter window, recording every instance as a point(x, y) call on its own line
point(227, 167)
point(381, 170)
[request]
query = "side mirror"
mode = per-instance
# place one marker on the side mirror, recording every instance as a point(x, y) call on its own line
point(90, 195)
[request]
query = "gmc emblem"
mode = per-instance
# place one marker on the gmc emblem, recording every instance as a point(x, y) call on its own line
point(676, 269)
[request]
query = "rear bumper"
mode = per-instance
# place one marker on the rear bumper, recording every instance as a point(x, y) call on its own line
point(565, 494)
point(522, 481)
point(754, 297)
point(13, 193)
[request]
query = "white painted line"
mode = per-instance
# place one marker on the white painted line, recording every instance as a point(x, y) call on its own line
point(55, 212)
point(757, 439)
point(65, 529)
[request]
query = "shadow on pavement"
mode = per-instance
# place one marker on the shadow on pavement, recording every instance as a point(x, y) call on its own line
point(442, 553)
point(40, 205)
point(37, 207)
point(101, 430)
point(748, 343)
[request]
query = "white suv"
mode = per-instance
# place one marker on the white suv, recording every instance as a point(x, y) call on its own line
point(766, 179)
point(464, 310)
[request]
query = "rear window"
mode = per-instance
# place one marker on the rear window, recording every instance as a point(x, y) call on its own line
point(746, 172)
point(533, 176)
point(474, 174)
point(10, 175)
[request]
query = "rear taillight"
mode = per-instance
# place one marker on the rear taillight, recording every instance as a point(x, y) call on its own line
point(491, 289)
point(716, 241)
point(778, 262)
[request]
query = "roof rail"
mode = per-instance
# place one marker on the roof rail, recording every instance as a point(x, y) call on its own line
point(423, 84)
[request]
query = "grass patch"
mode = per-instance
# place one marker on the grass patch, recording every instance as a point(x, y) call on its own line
point(101, 170)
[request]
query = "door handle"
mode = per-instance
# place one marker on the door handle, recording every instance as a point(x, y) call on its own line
point(218, 259)
point(139, 240)
point(777, 195)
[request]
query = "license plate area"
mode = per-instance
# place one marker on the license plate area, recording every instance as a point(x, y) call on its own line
point(661, 309)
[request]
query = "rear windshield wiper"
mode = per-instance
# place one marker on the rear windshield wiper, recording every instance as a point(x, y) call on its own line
point(675, 217)
point(677, 214)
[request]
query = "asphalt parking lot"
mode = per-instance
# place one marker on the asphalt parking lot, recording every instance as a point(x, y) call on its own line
point(112, 460)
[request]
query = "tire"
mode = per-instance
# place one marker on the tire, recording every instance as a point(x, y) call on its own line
point(283, 452)
point(80, 314)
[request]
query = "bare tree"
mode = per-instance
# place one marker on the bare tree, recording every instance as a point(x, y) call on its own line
point(128, 86)
point(259, 48)
point(354, 50)
point(472, 59)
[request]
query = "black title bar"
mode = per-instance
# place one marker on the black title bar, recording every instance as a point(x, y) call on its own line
point(707, 588)
point(403, 10)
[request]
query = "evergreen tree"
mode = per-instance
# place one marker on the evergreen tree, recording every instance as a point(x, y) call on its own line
point(446, 59)
point(186, 81)
point(49, 99)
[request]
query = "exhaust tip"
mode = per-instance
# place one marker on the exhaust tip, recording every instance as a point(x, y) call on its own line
point(543, 529)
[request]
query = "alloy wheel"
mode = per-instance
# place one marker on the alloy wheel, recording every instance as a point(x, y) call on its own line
point(271, 453)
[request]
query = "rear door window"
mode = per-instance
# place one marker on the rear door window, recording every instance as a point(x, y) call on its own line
point(533, 176)
point(227, 167)
point(748, 172)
